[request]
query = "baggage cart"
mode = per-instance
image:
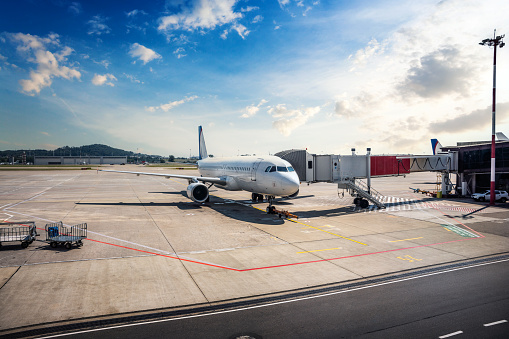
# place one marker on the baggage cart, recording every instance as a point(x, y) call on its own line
point(23, 231)
point(58, 234)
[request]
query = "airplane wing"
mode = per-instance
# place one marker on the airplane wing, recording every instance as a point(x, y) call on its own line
point(192, 178)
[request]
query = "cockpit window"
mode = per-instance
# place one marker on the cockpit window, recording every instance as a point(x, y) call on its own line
point(282, 169)
point(268, 169)
point(290, 169)
point(273, 169)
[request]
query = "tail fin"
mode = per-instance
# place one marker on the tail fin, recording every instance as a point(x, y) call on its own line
point(202, 147)
point(501, 136)
point(436, 146)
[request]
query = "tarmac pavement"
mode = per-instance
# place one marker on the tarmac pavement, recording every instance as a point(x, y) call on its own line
point(149, 247)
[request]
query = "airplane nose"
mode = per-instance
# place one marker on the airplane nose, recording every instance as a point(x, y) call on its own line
point(291, 184)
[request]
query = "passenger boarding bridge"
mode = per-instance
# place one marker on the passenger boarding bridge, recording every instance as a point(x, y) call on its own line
point(347, 171)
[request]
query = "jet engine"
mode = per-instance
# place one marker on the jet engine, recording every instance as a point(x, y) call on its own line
point(198, 192)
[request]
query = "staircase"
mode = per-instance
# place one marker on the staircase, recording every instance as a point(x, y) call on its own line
point(361, 190)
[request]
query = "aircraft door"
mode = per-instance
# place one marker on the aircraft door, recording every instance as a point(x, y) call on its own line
point(255, 168)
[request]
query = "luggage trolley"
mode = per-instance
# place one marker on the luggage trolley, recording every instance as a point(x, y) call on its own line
point(58, 234)
point(23, 231)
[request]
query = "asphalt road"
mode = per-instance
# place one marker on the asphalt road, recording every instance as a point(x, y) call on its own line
point(471, 302)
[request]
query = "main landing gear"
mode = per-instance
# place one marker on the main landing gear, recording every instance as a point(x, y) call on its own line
point(256, 197)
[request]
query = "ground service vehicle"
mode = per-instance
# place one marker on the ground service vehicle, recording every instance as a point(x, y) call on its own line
point(502, 196)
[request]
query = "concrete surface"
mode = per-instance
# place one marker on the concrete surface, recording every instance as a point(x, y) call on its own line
point(150, 247)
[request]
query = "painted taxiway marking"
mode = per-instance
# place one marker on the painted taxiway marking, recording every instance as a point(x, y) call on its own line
point(406, 239)
point(409, 258)
point(334, 234)
point(495, 323)
point(327, 249)
point(450, 334)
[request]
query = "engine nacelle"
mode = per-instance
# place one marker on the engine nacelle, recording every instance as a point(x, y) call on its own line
point(197, 192)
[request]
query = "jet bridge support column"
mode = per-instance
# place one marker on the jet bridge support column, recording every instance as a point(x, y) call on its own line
point(444, 183)
point(368, 169)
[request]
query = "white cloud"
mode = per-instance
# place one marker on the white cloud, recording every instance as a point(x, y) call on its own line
point(422, 78)
point(143, 53)
point(104, 63)
point(100, 80)
point(135, 12)
point(133, 79)
point(75, 8)
point(250, 8)
point(98, 26)
point(48, 67)
point(283, 3)
point(288, 120)
point(204, 15)
point(361, 57)
point(257, 19)
point(475, 120)
point(253, 109)
point(172, 104)
point(179, 52)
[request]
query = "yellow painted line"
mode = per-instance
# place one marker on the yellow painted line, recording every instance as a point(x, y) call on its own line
point(334, 234)
point(298, 222)
point(328, 249)
point(406, 239)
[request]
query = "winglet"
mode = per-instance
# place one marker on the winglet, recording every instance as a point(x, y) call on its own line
point(202, 148)
point(436, 146)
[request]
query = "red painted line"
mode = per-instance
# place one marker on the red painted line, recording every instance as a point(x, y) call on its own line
point(164, 255)
point(292, 264)
point(353, 256)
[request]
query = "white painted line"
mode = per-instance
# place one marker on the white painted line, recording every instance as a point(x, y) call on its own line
point(495, 323)
point(278, 303)
point(451, 334)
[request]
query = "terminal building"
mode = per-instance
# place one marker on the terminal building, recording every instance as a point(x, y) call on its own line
point(474, 165)
point(80, 160)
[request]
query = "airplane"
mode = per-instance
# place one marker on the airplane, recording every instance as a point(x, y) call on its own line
point(436, 146)
point(268, 176)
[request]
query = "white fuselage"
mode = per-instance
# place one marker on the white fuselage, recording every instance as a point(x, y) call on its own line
point(269, 175)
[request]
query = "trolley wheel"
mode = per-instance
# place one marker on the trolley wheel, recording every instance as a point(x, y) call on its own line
point(24, 244)
point(68, 245)
point(79, 243)
point(356, 201)
point(53, 244)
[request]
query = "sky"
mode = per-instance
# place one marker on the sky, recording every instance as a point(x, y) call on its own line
point(260, 76)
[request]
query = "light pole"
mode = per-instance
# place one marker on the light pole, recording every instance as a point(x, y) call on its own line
point(496, 41)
